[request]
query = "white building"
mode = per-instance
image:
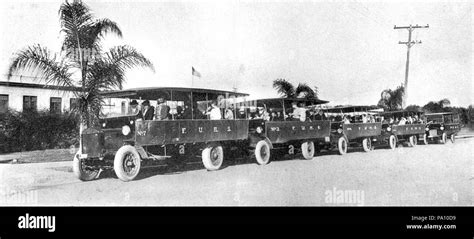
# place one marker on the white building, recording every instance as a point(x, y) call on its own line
point(20, 93)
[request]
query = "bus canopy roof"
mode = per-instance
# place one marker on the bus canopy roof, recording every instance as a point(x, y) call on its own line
point(166, 92)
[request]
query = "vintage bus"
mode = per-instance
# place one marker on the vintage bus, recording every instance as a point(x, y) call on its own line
point(277, 129)
point(401, 126)
point(127, 143)
point(349, 120)
point(440, 126)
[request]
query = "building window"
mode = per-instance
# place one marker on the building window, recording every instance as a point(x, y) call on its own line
point(3, 103)
point(55, 105)
point(73, 103)
point(29, 102)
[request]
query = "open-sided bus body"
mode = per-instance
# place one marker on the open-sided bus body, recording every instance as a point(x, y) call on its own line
point(394, 131)
point(128, 143)
point(347, 120)
point(441, 126)
point(275, 128)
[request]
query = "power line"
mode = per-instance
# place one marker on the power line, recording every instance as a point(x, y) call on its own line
point(409, 44)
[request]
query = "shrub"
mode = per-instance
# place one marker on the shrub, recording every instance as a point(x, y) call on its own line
point(35, 130)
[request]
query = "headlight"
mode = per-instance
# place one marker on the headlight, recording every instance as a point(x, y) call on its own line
point(427, 129)
point(388, 128)
point(441, 128)
point(125, 130)
point(259, 130)
point(339, 131)
point(131, 121)
point(103, 124)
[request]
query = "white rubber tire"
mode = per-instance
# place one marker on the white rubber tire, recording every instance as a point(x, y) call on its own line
point(392, 142)
point(127, 163)
point(444, 138)
point(342, 146)
point(212, 157)
point(367, 145)
point(425, 139)
point(262, 152)
point(308, 150)
point(453, 138)
point(413, 140)
point(80, 172)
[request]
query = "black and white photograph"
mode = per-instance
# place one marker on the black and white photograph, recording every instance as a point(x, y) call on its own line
point(237, 103)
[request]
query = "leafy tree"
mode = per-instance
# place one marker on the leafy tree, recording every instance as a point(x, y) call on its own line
point(82, 61)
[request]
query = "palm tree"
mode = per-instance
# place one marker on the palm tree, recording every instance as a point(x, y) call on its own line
point(391, 99)
point(82, 61)
point(288, 90)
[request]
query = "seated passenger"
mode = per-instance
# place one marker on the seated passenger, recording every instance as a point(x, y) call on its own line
point(417, 120)
point(229, 113)
point(279, 116)
point(214, 112)
point(273, 116)
point(403, 121)
point(147, 111)
point(364, 118)
point(162, 110)
point(320, 115)
point(298, 112)
point(371, 119)
point(133, 110)
point(409, 120)
point(346, 120)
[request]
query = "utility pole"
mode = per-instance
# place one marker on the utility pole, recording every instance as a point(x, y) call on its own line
point(409, 44)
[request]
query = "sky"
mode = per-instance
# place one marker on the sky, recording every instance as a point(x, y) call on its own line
point(348, 49)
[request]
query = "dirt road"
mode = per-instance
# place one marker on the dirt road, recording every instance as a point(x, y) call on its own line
point(424, 175)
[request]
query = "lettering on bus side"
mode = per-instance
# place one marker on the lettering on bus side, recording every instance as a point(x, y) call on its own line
point(141, 132)
point(274, 128)
point(291, 149)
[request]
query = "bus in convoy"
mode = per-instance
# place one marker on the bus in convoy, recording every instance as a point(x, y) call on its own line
point(286, 124)
point(440, 126)
point(171, 123)
point(146, 127)
point(402, 126)
point(357, 124)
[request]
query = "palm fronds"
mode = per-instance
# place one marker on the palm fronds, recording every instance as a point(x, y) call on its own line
point(284, 88)
point(38, 59)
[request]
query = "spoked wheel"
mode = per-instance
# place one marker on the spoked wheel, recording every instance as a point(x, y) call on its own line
point(425, 139)
point(308, 149)
point(342, 145)
point(262, 152)
point(367, 144)
point(82, 171)
point(127, 163)
point(444, 138)
point(413, 140)
point(453, 138)
point(392, 142)
point(212, 157)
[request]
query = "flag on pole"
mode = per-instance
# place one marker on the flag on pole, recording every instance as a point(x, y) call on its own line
point(196, 73)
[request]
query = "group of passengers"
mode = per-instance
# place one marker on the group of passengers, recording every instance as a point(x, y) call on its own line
point(410, 119)
point(364, 118)
point(297, 112)
point(148, 112)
